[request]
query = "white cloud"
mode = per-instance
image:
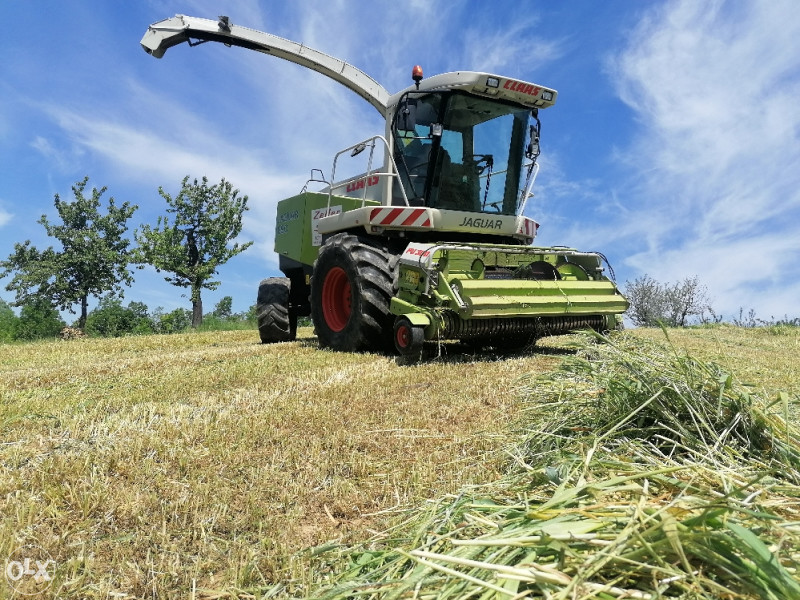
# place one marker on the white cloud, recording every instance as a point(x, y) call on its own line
point(261, 123)
point(715, 93)
point(714, 88)
point(738, 273)
point(64, 159)
point(241, 12)
point(5, 217)
point(504, 49)
point(155, 157)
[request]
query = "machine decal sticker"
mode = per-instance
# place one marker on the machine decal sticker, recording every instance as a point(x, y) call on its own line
point(481, 223)
point(316, 215)
point(528, 227)
point(523, 88)
point(283, 220)
point(400, 217)
point(413, 250)
point(360, 184)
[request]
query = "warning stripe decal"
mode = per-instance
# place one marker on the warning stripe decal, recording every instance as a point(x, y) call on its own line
point(413, 217)
point(400, 217)
point(528, 227)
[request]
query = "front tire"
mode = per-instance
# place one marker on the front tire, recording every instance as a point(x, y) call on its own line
point(277, 322)
point(409, 339)
point(351, 289)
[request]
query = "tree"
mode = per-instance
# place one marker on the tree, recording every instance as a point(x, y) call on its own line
point(173, 322)
point(38, 319)
point(111, 319)
point(8, 323)
point(224, 308)
point(251, 316)
point(93, 258)
point(197, 240)
point(653, 302)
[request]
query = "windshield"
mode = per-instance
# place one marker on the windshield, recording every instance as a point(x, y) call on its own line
point(476, 164)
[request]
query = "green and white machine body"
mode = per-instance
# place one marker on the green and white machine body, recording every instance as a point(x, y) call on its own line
point(419, 234)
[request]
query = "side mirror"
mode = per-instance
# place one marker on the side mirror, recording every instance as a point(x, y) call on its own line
point(407, 115)
point(532, 151)
point(533, 146)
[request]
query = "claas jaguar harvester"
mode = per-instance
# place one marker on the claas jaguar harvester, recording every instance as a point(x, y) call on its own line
point(419, 234)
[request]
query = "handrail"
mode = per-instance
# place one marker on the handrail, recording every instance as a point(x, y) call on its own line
point(356, 149)
point(527, 192)
point(312, 178)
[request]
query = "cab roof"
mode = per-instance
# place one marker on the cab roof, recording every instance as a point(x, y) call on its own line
point(488, 85)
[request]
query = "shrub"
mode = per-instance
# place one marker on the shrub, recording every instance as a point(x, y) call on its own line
point(251, 315)
point(38, 319)
point(673, 305)
point(176, 321)
point(8, 323)
point(111, 319)
point(224, 308)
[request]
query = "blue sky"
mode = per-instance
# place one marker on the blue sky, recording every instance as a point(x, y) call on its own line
point(673, 147)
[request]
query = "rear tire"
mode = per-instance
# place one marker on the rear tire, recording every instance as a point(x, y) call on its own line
point(351, 288)
point(277, 322)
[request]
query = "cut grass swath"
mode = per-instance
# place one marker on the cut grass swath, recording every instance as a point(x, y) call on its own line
point(639, 472)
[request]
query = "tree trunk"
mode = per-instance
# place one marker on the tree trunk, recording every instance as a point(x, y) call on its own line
point(84, 312)
point(197, 310)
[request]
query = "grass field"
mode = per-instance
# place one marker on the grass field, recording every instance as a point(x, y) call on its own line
point(206, 464)
point(767, 359)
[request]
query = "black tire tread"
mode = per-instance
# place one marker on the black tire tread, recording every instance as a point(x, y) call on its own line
point(374, 267)
point(275, 324)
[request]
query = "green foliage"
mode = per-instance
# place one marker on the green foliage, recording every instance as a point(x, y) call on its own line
point(224, 308)
point(38, 319)
point(8, 323)
point(234, 323)
point(654, 303)
point(752, 320)
point(195, 237)
point(93, 258)
point(252, 314)
point(111, 319)
point(224, 319)
point(176, 321)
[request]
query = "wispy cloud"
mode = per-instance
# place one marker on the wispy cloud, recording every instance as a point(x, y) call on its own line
point(503, 49)
point(5, 217)
point(703, 178)
point(716, 159)
point(64, 159)
point(163, 158)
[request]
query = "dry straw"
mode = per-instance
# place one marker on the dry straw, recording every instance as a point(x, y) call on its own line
point(203, 464)
point(639, 472)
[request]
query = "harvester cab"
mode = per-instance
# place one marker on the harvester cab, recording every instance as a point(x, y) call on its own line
point(427, 240)
point(460, 150)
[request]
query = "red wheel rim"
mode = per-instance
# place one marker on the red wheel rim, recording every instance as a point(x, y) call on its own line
point(403, 336)
point(336, 299)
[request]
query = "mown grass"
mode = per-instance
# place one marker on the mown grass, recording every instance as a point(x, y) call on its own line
point(764, 359)
point(640, 471)
point(205, 463)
